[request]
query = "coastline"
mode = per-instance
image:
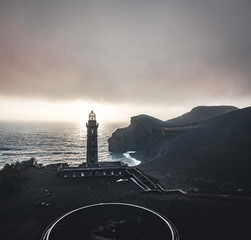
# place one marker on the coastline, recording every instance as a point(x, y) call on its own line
point(51, 142)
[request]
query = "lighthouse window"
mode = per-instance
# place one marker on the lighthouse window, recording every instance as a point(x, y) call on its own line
point(92, 131)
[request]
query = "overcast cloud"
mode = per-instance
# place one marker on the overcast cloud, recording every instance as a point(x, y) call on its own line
point(126, 51)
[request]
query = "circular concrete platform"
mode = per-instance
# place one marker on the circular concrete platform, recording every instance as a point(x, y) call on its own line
point(111, 221)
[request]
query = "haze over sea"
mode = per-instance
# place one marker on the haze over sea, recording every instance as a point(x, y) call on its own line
point(55, 143)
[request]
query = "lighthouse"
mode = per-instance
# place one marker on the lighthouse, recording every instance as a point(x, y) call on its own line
point(92, 141)
point(92, 167)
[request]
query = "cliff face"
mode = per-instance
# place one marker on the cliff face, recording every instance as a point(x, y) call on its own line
point(214, 156)
point(146, 134)
point(211, 153)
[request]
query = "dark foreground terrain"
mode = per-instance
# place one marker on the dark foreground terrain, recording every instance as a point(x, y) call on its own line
point(42, 198)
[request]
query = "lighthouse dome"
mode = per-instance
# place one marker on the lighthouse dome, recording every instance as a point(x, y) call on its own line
point(92, 116)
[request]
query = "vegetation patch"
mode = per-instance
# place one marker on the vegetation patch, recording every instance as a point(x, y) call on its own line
point(11, 176)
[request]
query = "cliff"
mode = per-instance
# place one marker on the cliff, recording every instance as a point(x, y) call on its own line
point(210, 152)
point(214, 156)
point(146, 134)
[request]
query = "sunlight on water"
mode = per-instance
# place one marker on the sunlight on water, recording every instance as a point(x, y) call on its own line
point(54, 143)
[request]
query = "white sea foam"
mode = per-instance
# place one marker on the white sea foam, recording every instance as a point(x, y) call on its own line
point(130, 160)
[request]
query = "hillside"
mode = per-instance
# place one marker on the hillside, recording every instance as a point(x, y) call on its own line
point(207, 153)
point(216, 155)
point(146, 134)
point(200, 113)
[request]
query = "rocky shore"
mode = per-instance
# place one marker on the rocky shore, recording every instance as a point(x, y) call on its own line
point(42, 197)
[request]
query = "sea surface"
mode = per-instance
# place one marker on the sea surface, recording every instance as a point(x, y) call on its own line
point(55, 143)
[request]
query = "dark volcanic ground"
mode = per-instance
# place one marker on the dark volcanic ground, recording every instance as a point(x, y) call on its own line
point(43, 198)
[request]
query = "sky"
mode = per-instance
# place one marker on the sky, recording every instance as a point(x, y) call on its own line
point(60, 59)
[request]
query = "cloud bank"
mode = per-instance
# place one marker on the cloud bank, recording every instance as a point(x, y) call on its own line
point(126, 51)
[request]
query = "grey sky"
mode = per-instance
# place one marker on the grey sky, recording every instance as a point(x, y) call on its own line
point(126, 51)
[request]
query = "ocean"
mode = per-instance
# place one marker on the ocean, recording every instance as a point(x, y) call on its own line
point(55, 143)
